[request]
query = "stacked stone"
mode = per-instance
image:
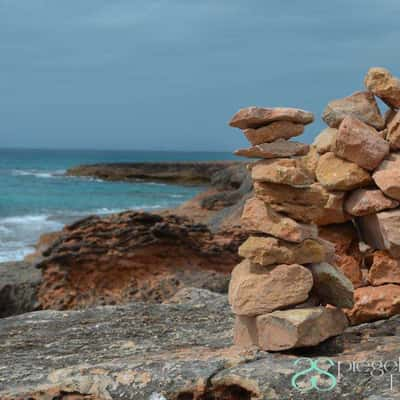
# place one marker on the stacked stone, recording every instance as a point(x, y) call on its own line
point(281, 290)
point(360, 142)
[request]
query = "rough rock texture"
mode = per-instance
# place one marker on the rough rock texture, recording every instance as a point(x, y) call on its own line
point(332, 286)
point(172, 172)
point(361, 105)
point(178, 351)
point(19, 284)
point(256, 290)
point(360, 143)
point(384, 85)
point(287, 171)
point(347, 253)
point(282, 330)
point(254, 117)
point(257, 216)
point(273, 131)
point(268, 250)
point(312, 204)
point(387, 176)
point(382, 231)
point(393, 131)
point(134, 255)
point(326, 140)
point(277, 149)
point(368, 201)
point(384, 269)
point(336, 174)
point(374, 302)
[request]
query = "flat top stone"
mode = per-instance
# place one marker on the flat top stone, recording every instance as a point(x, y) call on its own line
point(255, 117)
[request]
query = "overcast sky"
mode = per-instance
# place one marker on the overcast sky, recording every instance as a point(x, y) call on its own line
point(169, 74)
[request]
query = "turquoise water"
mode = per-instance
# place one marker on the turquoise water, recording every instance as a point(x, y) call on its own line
point(35, 196)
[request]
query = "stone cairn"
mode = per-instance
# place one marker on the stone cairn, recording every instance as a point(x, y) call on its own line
point(324, 219)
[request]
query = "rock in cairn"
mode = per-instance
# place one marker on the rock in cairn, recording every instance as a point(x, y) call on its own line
point(281, 290)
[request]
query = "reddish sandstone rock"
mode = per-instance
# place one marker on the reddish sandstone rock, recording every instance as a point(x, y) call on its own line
point(374, 302)
point(277, 149)
point(268, 250)
point(361, 105)
point(325, 141)
point(360, 143)
point(286, 171)
point(336, 174)
point(393, 130)
point(384, 269)
point(255, 117)
point(283, 330)
point(382, 231)
point(368, 201)
point(312, 204)
point(384, 85)
point(347, 253)
point(258, 216)
point(134, 256)
point(387, 176)
point(273, 131)
point(256, 290)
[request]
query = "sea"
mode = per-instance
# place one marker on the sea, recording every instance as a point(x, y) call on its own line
point(36, 196)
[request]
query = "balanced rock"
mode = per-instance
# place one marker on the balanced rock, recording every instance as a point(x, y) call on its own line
point(325, 141)
point(384, 269)
point(256, 290)
point(255, 117)
point(282, 170)
point(368, 201)
point(374, 302)
point(332, 286)
point(268, 250)
point(312, 204)
point(382, 231)
point(387, 176)
point(283, 330)
point(384, 85)
point(361, 105)
point(273, 131)
point(393, 131)
point(360, 143)
point(258, 216)
point(277, 149)
point(336, 174)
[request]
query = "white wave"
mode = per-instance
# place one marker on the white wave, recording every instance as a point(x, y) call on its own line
point(38, 173)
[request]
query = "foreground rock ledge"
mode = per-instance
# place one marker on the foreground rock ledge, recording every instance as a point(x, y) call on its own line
point(178, 351)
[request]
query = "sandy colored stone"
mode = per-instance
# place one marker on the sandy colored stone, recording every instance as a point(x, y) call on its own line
point(258, 216)
point(383, 85)
point(281, 170)
point(384, 269)
point(255, 290)
point(273, 131)
point(374, 302)
point(245, 331)
point(393, 130)
point(368, 201)
point(277, 149)
point(325, 141)
point(348, 257)
point(255, 117)
point(382, 231)
point(283, 330)
point(360, 143)
point(331, 285)
point(268, 250)
point(387, 176)
point(336, 174)
point(361, 105)
point(312, 204)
